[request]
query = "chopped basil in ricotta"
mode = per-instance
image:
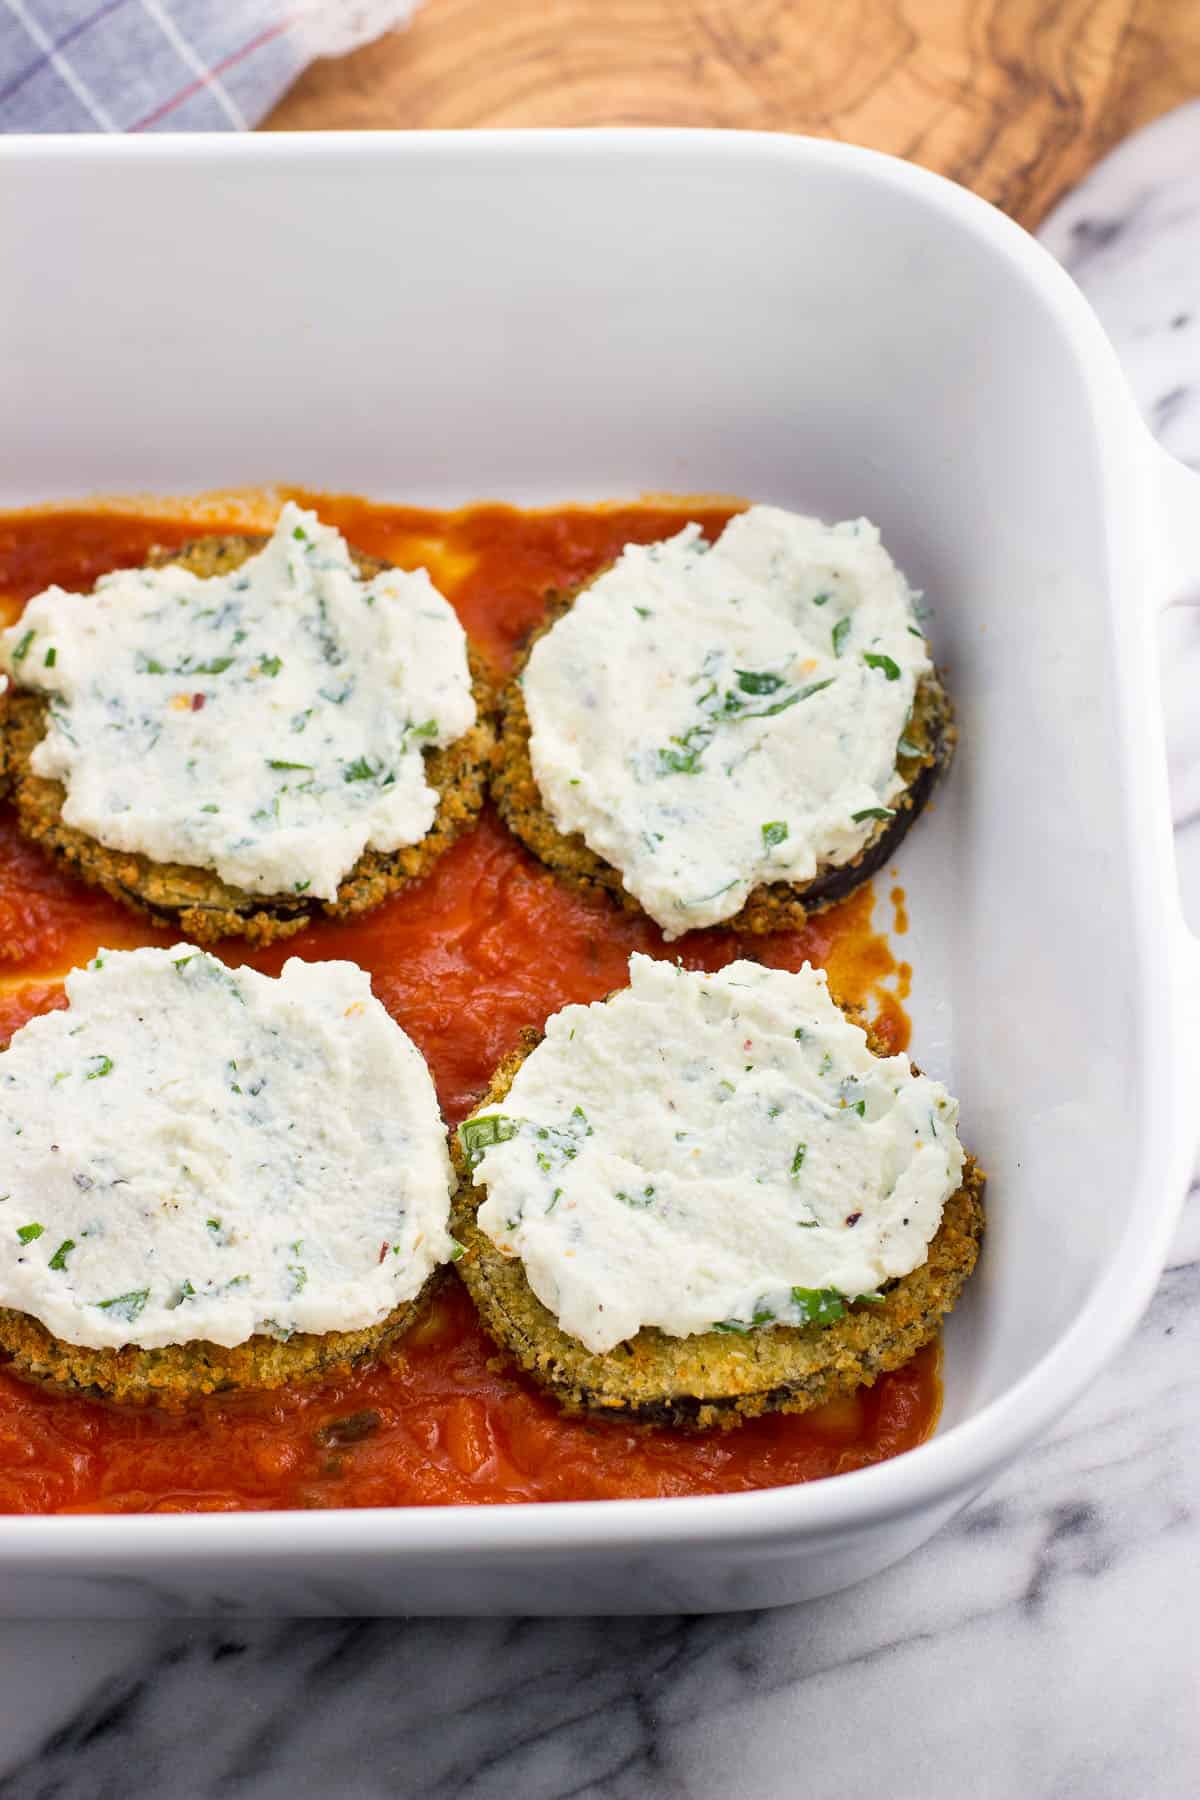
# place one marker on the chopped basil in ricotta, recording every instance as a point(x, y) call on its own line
point(209, 1153)
point(712, 1151)
point(711, 719)
point(267, 723)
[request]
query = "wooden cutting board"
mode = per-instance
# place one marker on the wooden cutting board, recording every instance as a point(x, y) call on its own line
point(1016, 98)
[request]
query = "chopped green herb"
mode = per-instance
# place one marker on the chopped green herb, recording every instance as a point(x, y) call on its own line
point(360, 770)
point(753, 682)
point(270, 665)
point(428, 729)
point(873, 812)
point(299, 1275)
point(555, 1197)
point(146, 665)
point(679, 762)
point(820, 599)
point(768, 712)
point(209, 808)
point(818, 1306)
point(798, 1158)
point(59, 1259)
point(874, 660)
point(774, 832)
point(300, 887)
point(27, 1233)
point(22, 649)
point(643, 612)
point(301, 534)
point(275, 762)
point(217, 666)
point(762, 1315)
point(50, 658)
point(815, 688)
point(639, 1202)
point(702, 899)
point(841, 632)
point(104, 1066)
point(477, 1135)
point(913, 632)
point(126, 1306)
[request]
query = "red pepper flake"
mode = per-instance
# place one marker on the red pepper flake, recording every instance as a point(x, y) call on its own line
point(197, 702)
point(383, 1249)
point(853, 1218)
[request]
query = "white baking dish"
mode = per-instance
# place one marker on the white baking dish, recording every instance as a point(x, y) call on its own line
point(540, 315)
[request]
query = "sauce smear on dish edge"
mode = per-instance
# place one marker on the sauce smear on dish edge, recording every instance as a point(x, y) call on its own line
point(490, 943)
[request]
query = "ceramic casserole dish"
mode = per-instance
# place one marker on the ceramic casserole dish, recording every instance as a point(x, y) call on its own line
point(540, 316)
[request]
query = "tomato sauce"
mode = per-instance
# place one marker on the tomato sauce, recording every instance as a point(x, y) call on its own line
point(488, 944)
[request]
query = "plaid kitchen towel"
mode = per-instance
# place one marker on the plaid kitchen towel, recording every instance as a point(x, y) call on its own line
point(168, 65)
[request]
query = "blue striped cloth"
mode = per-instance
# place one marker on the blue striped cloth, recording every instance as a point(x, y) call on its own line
point(167, 65)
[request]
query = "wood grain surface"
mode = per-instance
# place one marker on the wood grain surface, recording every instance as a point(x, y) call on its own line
point(1016, 98)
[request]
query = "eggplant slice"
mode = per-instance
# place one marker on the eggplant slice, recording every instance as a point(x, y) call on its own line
point(195, 901)
point(713, 1378)
point(176, 1374)
point(777, 905)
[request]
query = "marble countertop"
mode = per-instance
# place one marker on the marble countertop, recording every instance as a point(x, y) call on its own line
point(1042, 1646)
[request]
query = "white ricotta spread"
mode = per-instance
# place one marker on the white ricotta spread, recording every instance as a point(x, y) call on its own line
point(712, 1150)
point(192, 1151)
point(714, 718)
point(267, 724)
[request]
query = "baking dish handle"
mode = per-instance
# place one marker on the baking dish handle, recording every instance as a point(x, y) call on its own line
point(1179, 494)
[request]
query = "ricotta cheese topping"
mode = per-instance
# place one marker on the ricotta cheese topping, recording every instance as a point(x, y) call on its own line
point(193, 1151)
point(706, 1151)
point(267, 723)
point(714, 718)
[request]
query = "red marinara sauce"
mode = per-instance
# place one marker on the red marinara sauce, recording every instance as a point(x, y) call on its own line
point(488, 944)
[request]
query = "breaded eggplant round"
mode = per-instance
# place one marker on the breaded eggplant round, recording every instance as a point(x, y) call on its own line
point(195, 900)
point(174, 1375)
point(774, 906)
point(216, 1178)
point(713, 1378)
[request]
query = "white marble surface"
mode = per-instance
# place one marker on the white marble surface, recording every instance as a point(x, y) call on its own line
point(1042, 1648)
